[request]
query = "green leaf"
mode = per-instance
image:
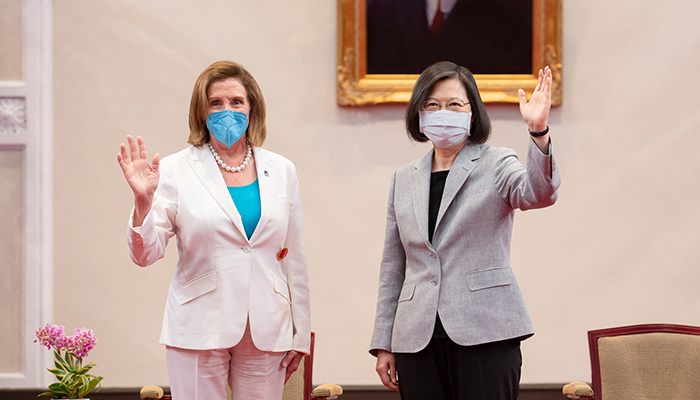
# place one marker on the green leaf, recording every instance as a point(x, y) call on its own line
point(86, 368)
point(70, 359)
point(59, 389)
point(70, 380)
point(93, 382)
point(58, 372)
point(60, 362)
point(96, 383)
point(57, 356)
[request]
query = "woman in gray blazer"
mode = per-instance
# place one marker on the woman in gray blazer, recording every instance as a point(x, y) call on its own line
point(450, 315)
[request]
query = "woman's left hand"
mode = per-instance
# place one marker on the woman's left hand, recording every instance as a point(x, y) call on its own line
point(291, 362)
point(536, 111)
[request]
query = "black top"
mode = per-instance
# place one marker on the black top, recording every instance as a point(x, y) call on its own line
point(437, 187)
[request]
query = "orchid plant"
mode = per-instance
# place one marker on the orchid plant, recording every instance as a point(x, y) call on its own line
point(74, 381)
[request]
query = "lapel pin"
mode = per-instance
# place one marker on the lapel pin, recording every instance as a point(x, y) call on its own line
point(266, 174)
point(282, 253)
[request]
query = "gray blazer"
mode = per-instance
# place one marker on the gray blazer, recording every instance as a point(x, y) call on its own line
point(465, 274)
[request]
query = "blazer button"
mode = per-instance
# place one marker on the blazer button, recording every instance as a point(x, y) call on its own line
point(433, 255)
point(246, 249)
point(434, 281)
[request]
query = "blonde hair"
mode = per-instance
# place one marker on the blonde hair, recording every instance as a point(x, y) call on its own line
point(199, 133)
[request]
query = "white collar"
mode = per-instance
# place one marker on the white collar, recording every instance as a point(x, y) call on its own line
point(445, 6)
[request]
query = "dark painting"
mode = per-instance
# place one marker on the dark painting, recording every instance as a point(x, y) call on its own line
point(486, 36)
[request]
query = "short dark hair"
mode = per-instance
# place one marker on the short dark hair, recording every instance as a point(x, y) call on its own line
point(480, 130)
point(199, 133)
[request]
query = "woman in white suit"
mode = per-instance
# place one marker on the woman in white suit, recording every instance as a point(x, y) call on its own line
point(450, 315)
point(238, 306)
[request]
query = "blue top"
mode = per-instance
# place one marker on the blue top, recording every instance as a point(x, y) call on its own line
point(247, 201)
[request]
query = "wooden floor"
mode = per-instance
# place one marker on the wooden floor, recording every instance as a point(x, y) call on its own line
point(527, 392)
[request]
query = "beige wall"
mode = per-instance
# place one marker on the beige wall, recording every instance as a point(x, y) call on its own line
point(11, 40)
point(618, 248)
point(11, 260)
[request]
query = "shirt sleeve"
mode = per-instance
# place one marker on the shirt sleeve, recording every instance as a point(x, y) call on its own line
point(534, 186)
point(147, 242)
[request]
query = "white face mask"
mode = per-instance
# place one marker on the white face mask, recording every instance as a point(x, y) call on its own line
point(445, 128)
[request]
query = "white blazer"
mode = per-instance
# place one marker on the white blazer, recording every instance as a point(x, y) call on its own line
point(222, 278)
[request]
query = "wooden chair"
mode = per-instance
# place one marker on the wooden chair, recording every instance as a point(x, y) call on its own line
point(298, 387)
point(651, 362)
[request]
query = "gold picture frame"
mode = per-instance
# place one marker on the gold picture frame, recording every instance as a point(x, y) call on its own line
point(357, 88)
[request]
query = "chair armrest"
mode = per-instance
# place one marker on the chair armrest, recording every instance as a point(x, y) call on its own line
point(578, 390)
point(151, 392)
point(327, 391)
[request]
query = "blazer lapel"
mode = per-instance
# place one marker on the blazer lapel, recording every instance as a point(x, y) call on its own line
point(462, 167)
point(268, 182)
point(207, 170)
point(420, 190)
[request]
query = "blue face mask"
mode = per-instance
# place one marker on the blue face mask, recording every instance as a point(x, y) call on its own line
point(227, 126)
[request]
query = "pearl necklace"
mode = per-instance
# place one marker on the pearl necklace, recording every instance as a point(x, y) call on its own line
point(223, 165)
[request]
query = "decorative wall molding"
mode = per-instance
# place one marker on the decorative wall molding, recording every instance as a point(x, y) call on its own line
point(13, 115)
point(26, 124)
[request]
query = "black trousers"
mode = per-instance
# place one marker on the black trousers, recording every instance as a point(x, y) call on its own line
point(445, 370)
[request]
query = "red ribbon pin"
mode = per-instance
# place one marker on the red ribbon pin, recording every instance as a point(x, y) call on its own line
point(282, 253)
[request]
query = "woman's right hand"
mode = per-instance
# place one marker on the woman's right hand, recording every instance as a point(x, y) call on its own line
point(386, 369)
point(141, 176)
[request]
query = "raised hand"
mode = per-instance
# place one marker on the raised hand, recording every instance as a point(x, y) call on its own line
point(536, 111)
point(141, 175)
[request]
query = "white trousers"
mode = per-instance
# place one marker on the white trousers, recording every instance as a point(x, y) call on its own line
point(202, 374)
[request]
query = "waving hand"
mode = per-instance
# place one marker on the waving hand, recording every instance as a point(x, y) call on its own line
point(536, 111)
point(141, 176)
